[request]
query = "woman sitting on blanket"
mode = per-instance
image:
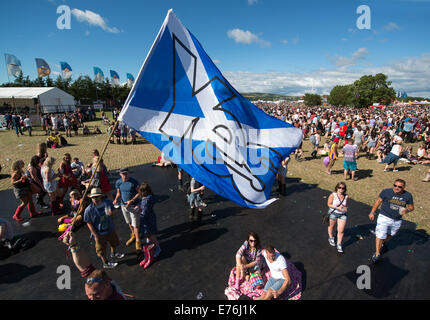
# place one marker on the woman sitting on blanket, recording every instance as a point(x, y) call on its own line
point(247, 259)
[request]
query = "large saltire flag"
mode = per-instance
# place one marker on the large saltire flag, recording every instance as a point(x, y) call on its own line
point(66, 70)
point(115, 78)
point(13, 65)
point(43, 69)
point(183, 105)
point(98, 75)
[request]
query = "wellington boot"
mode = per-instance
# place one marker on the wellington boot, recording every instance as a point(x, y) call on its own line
point(32, 209)
point(18, 212)
point(138, 246)
point(131, 240)
point(192, 214)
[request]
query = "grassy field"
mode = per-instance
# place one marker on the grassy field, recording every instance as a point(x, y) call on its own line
point(372, 177)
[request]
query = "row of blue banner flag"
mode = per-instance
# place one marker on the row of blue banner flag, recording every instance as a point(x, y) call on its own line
point(14, 68)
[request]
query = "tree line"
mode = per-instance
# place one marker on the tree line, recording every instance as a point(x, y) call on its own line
point(360, 94)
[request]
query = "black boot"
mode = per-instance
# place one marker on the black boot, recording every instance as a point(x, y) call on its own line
point(199, 215)
point(279, 187)
point(192, 214)
point(284, 189)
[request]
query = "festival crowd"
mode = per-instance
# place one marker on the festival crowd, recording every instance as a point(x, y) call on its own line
point(260, 272)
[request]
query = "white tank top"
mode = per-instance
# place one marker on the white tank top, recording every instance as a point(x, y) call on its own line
point(337, 202)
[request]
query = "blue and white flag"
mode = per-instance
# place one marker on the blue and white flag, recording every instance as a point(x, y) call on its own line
point(98, 75)
point(115, 78)
point(66, 70)
point(130, 79)
point(183, 105)
point(13, 65)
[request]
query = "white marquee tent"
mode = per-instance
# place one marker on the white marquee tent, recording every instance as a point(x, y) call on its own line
point(43, 100)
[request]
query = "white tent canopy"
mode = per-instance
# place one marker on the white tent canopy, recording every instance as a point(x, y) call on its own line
point(49, 99)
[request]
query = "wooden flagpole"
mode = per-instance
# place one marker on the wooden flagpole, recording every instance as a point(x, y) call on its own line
point(79, 211)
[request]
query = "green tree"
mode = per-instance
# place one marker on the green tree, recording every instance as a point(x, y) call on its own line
point(370, 89)
point(341, 95)
point(312, 99)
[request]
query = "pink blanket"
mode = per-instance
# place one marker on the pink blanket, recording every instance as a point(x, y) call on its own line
point(293, 292)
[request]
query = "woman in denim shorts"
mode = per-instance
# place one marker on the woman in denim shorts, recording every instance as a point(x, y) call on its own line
point(337, 204)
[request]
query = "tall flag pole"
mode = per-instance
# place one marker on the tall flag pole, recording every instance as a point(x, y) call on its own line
point(184, 106)
point(43, 69)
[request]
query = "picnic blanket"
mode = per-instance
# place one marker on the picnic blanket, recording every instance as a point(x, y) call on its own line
point(293, 292)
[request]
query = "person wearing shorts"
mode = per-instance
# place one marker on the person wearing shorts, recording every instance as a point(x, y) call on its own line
point(395, 203)
point(279, 279)
point(127, 189)
point(350, 153)
point(337, 204)
point(98, 219)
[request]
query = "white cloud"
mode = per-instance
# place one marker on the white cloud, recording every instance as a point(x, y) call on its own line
point(356, 57)
point(391, 26)
point(246, 37)
point(284, 41)
point(252, 2)
point(93, 19)
point(216, 61)
point(408, 74)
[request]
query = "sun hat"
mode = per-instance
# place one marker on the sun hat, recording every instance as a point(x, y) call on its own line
point(123, 170)
point(95, 192)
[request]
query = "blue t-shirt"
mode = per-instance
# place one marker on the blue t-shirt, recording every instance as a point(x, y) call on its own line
point(127, 189)
point(393, 202)
point(97, 216)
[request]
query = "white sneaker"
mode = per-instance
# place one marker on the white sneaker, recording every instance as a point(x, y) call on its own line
point(331, 241)
point(110, 265)
point(117, 255)
point(339, 248)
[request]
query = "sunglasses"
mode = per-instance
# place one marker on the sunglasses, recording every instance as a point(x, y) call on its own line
point(252, 241)
point(94, 280)
point(342, 188)
point(396, 186)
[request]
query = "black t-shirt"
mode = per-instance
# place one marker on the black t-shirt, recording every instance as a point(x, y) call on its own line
point(392, 203)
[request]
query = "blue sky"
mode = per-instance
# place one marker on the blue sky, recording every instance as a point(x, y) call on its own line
point(278, 46)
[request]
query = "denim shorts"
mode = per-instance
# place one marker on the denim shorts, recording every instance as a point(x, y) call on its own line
point(340, 216)
point(274, 284)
